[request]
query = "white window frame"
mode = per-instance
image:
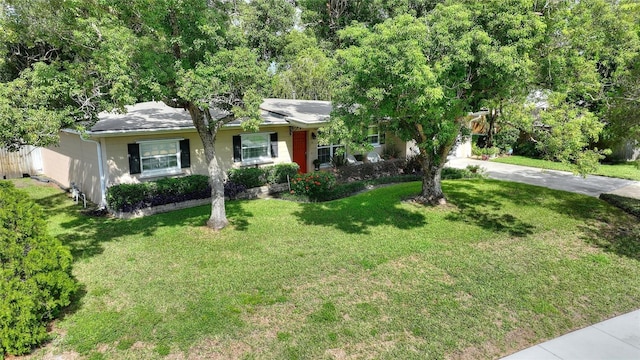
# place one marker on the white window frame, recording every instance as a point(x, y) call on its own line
point(259, 159)
point(376, 134)
point(173, 170)
point(332, 152)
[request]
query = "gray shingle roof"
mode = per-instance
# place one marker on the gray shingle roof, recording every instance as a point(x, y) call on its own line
point(143, 116)
point(156, 115)
point(304, 112)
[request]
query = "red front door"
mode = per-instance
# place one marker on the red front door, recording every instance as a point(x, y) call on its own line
point(300, 150)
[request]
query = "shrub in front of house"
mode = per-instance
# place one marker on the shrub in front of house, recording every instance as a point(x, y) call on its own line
point(369, 171)
point(412, 165)
point(232, 190)
point(255, 177)
point(314, 185)
point(249, 177)
point(132, 197)
point(36, 273)
point(281, 173)
point(126, 197)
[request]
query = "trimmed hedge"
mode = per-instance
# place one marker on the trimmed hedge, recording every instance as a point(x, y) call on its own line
point(249, 177)
point(400, 167)
point(632, 206)
point(369, 171)
point(278, 174)
point(132, 197)
point(36, 273)
point(255, 177)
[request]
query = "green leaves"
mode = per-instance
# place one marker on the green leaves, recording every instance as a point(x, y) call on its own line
point(265, 24)
point(36, 273)
point(232, 80)
point(309, 75)
point(565, 132)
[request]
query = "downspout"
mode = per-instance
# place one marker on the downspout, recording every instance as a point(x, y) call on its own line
point(103, 186)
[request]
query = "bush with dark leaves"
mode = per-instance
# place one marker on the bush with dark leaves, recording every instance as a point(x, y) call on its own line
point(132, 197)
point(231, 189)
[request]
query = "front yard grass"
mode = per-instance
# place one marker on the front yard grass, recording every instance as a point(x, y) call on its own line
point(503, 267)
point(627, 170)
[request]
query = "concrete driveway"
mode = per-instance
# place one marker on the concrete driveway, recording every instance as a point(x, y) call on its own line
point(592, 185)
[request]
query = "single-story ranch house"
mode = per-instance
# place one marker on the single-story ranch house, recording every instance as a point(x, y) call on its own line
point(153, 140)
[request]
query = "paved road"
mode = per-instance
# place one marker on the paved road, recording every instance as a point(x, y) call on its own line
point(592, 185)
point(617, 338)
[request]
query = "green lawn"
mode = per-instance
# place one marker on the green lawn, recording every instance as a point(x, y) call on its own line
point(503, 267)
point(623, 170)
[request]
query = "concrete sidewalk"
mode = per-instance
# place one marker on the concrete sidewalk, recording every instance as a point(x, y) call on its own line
point(592, 185)
point(617, 338)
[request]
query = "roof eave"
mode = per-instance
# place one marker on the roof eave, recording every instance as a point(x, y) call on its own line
point(306, 124)
point(116, 133)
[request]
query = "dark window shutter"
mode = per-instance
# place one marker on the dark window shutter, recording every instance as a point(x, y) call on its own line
point(381, 138)
point(237, 148)
point(274, 145)
point(185, 154)
point(134, 158)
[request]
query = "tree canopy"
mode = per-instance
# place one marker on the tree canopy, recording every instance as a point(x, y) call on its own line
point(64, 62)
point(419, 78)
point(416, 68)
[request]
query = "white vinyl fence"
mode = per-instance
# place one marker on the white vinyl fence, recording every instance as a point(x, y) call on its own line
point(16, 164)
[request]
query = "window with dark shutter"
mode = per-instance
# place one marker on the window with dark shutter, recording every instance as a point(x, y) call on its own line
point(237, 148)
point(185, 154)
point(134, 158)
point(274, 145)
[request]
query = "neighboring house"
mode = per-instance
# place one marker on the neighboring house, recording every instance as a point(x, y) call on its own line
point(153, 140)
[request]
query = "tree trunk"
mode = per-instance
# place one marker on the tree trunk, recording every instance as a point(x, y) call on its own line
point(218, 219)
point(492, 127)
point(431, 187)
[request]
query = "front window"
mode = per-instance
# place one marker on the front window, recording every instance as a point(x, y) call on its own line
point(374, 137)
point(160, 157)
point(255, 147)
point(327, 152)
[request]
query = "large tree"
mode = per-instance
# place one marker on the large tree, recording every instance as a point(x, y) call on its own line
point(419, 78)
point(623, 105)
point(327, 17)
point(265, 24)
point(65, 61)
point(61, 64)
point(305, 71)
point(588, 60)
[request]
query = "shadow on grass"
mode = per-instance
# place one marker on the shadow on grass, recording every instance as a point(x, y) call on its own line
point(85, 235)
point(358, 214)
point(602, 225)
point(237, 214)
point(485, 209)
